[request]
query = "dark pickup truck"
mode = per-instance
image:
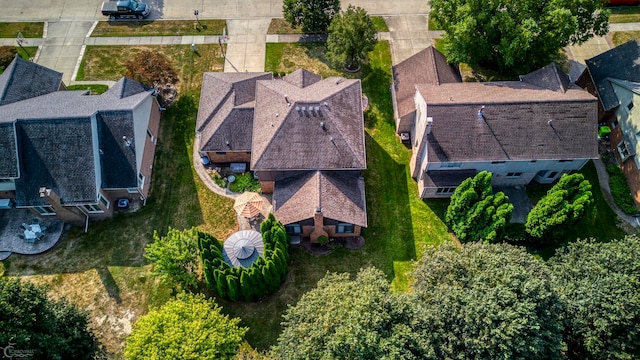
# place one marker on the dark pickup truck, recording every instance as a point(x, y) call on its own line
point(125, 9)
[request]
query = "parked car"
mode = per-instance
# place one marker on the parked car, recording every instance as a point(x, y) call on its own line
point(125, 9)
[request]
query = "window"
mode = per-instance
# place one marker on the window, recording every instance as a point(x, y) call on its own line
point(514, 174)
point(451, 165)
point(293, 229)
point(44, 210)
point(103, 201)
point(629, 106)
point(533, 161)
point(141, 180)
point(445, 190)
point(5, 180)
point(153, 139)
point(552, 175)
point(622, 149)
point(541, 173)
point(221, 152)
point(498, 162)
point(92, 209)
point(344, 228)
point(564, 161)
point(132, 190)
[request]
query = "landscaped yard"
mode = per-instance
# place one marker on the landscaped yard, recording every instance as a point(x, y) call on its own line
point(621, 37)
point(159, 28)
point(28, 29)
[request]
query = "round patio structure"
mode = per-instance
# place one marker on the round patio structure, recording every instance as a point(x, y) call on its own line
point(243, 248)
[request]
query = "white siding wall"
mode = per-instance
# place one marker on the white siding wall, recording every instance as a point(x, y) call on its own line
point(140, 125)
point(629, 120)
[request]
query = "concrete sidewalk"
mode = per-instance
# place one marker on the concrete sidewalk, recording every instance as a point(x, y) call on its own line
point(246, 46)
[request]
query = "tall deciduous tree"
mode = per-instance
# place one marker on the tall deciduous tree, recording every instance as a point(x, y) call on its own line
point(188, 327)
point(35, 326)
point(564, 205)
point(600, 283)
point(475, 213)
point(314, 16)
point(344, 319)
point(352, 35)
point(175, 256)
point(486, 301)
point(517, 35)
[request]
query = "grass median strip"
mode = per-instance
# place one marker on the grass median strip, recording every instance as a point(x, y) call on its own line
point(621, 37)
point(282, 26)
point(159, 28)
point(625, 14)
point(28, 29)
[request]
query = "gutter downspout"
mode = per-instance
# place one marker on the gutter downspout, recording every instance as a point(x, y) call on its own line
point(86, 223)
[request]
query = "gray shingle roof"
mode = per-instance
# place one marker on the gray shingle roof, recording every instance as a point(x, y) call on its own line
point(56, 154)
point(515, 124)
point(117, 156)
point(220, 88)
point(428, 66)
point(339, 196)
point(126, 87)
point(549, 77)
point(8, 154)
point(226, 110)
point(621, 62)
point(287, 138)
point(302, 78)
point(23, 79)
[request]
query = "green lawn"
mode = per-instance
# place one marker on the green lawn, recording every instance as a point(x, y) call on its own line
point(600, 222)
point(28, 29)
point(159, 28)
point(625, 14)
point(621, 37)
point(95, 89)
point(282, 26)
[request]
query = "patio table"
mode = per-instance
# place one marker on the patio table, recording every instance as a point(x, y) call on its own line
point(36, 228)
point(30, 236)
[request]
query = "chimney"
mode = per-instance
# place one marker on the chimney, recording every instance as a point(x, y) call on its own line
point(318, 219)
point(298, 110)
point(429, 125)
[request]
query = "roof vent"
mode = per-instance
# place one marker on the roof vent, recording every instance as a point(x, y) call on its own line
point(305, 111)
point(429, 125)
point(127, 142)
point(100, 151)
point(481, 113)
point(318, 111)
point(322, 126)
point(298, 110)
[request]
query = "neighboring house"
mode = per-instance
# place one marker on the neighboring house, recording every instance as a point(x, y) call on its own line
point(69, 154)
point(306, 144)
point(614, 76)
point(533, 129)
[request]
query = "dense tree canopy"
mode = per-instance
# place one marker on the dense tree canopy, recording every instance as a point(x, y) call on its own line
point(516, 35)
point(41, 328)
point(487, 301)
point(475, 213)
point(564, 205)
point(175, 256)
point(314, 16)
point(344, 319)
point(188, 327)
point(352, 35)
point(600, 284)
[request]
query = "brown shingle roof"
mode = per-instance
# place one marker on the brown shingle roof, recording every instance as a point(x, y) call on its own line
point(339, 196)
point(519, 122)
point(287, 138)
point(428, 66)
point(225, 114)
point(302, 78)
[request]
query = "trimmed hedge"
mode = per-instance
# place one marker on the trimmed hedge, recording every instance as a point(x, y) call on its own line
point(620, 190)
point(263, 277)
